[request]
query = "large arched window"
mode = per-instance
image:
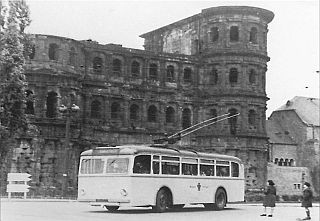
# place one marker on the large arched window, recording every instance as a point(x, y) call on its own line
point(214, 34)
point(53, 51)
point(134, 112)
point(153, 71)
point(187, 75)
point(252, 76)
point(234, 33)
point(135, 68)
point(115, 110)
point(29, 104)
point(186, 118)
point(233, 121)
point(233, 75)
point(116, 66)
point(97, 64)
point(32, 52)
point(170, 115)
point(170, 73)
point(213, 76)
point(95, 109)
point(52, 100)
point(152, 113)
point(253, 35)
point(252, 117)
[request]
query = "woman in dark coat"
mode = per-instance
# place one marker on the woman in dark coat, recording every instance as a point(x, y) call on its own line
point(307, 199)
point(269, 199)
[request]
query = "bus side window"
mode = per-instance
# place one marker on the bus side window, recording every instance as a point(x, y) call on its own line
point(206, 170)
point(155, 167)
point(235, 169)
point(223, 171)
point(142, 164)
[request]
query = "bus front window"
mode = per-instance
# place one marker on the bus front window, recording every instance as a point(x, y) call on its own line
point(142, 164)
point(91, 166)
point(117, 165)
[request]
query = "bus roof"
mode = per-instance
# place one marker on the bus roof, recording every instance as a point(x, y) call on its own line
point(153, 149)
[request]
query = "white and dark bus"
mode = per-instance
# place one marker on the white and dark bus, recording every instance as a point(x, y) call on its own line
point(158, 177)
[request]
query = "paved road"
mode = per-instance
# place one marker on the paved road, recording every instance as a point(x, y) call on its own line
point(21, 210)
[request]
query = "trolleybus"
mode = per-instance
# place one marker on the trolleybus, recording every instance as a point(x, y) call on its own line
point(160, 177)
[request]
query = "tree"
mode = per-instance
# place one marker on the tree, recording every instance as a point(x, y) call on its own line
point(15, 46)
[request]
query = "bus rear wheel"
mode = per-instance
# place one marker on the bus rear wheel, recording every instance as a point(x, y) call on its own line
point(162, 201)
point(220, 199)
point(112, 208)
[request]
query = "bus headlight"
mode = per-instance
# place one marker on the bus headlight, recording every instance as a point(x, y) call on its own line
point(123, 192)
point(82, 192)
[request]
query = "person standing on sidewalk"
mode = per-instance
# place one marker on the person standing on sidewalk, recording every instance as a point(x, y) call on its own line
point(307, 199)
point(269, 199)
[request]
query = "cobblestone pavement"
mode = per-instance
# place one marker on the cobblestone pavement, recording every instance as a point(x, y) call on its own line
point(57, 210)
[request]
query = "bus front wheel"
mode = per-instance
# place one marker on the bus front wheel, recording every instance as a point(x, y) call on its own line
point(220, 199)
point(162, 201)
point(112, 208)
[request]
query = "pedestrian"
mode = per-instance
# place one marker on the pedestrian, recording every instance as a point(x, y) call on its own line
point(307, 199)
point(269, 199)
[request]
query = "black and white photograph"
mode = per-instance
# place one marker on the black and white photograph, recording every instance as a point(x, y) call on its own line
point(165, 110)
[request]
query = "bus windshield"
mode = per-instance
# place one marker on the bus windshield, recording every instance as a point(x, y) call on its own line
point(117, 165)
point(92, 166)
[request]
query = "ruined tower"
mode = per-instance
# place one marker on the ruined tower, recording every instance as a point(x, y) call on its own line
point(231, 45)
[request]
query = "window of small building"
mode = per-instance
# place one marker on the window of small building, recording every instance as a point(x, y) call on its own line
point(72, 56)
point(297, 186)
point(252, 76)
point(233, 121)
point(253, 35)
point(29, 104)
point(170, 73)
point(153, 71)
point(187, 75)
point(291, 162)
point(52, 101)
point(234, 33)
point(134, 112)
point(189, 166)
point(53, 51)
point(233, 75)
point(213, 76)
point(281, 162)
point(152, 113)
point(116, 66)
point(214, 34)
point(115, 110)
point(186, 118)
point(286, 162)
point(135, 68)
point(170, 115)
point(95, 109)
point(97, 64)
point(142, 164)
point(276, 161)
point(252, 117)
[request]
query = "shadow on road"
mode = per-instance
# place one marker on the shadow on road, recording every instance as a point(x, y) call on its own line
point(149, 210)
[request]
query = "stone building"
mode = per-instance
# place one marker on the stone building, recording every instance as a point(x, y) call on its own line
point(209, 64)
point(294, 131)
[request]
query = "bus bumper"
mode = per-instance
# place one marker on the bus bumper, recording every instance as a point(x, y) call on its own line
point(109, 202)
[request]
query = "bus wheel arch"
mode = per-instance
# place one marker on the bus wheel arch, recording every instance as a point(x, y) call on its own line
point(111, 208)
point(220, 198)
point(163, 200)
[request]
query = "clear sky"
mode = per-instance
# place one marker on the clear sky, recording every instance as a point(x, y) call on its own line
point(293, 37)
